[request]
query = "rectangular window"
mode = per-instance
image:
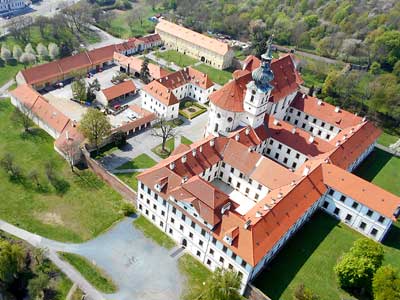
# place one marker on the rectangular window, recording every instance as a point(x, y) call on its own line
point(280, 146)
point(181, 227)
point(232, 170)
point(298, 114)
point(153, 217)
point(342, 198)
point(201, 243)
point(154, 206)
point(191, 235)
point(174, 210)
point(211, 251)
point(163, 213)
point(247, 190)
point(331, 192)
point(203, 232)
point(243, 264)
point(294, 165)
point(374, 232)
point(268, 151)
point(325, 205)
point(183, 217)
point(381, 219)
point(193, 225)
point(288, 151)
point(349, 217)
point(221, 259)
point(170, 231)
point(336, 211)
point(230, 179)
point(224, 249)
point(276, 155)
point(238, 185)
point(285, 160)
point(198, 253)
point(161, 224)
point(172, 220)
point(234, 256)
point(362, 225)
point(256, 196)
point(208, 262)
point(214, 241)
point(297, 155)
point(354, 205)
point(164, 203)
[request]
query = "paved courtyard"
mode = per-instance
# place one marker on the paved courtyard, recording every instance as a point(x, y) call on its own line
point(140, 268)
point(145, 141)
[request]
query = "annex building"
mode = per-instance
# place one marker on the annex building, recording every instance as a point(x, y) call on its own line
point(162, 96)
point(272, 157)
point(10, 5)
point(206, 49)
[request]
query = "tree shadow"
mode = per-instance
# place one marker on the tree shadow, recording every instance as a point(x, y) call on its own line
point(280, 272)
point(373, 164)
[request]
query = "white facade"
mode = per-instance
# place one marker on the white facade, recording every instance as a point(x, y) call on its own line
point(192, 91)
point(9, 5)
point(356, 215)
point(150, 103)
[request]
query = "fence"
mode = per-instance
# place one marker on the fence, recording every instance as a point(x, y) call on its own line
point(113, 181)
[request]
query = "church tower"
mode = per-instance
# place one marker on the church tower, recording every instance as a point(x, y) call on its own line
point(259, 90)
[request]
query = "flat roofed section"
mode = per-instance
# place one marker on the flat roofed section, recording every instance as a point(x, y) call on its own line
point(243, 202)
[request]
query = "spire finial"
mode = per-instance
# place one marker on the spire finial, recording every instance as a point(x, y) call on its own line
point(268, 53)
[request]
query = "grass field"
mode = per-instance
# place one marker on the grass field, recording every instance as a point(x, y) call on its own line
point(74, 208)
point(177, 58)
point(386, 139)
point(143, 161)
point(92, 273)
point(195, 272)
point(310, 256)
point(169, 145)
point(382, 169)
point(152, 232)
point(218, 76)
point(8, 72)
point(186, 141)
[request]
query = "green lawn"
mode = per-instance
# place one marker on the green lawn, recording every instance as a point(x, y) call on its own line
point(169, 145)
point(386, 139)
point(195, 272)
point(92, 273)
point(310, 256)
point(152, 232)
point(312, 79)
point(186, 141)
point(218, 76)
point(8, 72)
point(143, 161)
point(176, 57)
point(74, 208)
point(382, 169)
point(130, 179)
point(62, 286)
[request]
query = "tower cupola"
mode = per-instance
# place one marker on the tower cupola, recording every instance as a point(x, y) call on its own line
point(263, 75)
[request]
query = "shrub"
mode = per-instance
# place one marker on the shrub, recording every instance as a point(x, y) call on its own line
point(128, 209)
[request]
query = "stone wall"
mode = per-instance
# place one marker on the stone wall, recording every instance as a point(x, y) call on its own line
point(113, 181)
point(253, 293)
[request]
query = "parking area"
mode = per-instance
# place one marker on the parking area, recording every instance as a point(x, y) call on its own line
point(61, 99)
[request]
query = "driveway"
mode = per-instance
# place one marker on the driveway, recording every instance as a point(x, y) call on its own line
point(141, 269)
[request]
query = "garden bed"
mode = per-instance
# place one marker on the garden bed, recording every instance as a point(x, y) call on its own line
point(192, 110)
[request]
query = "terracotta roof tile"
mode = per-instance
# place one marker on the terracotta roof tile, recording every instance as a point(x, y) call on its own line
point(161, 93)
point(119, 90)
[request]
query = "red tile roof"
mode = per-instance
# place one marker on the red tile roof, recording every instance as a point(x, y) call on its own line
point(361, 190)
point(151, 38)
point(161, 93)
point(42, 73)
point(119, 90)
point(184, 76)
point(325, 111)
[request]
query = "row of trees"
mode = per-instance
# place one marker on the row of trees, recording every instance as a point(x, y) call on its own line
point(29, 55)
point(25, 272)
point(360, 272)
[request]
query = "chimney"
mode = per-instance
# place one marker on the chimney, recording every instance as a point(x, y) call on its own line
point(172, 165)
point(304, 96)
point(201, 148)
point(280, 195)
point(258, 214)
point(212, 143)
point(183, 159)
point(276, 122)
point(337, 109)
point(67, 135)
point(337, 144)
point(293, 183)
point(294, 130)
point(364, 119)
point(247, 131)
point(319, 102)
point(247, 224)
point(250, 149)
point(311, 139)
point(184, 179)
point(266, 207)
point(194, 152)
point(237, 137)
point(306, 171)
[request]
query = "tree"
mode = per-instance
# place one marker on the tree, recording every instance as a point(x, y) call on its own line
point(29, 49)
point(95, 126)
point(33, 175)
point(70, 148)
point(221, 285)
point(386, 283)
point(20, 28)
point(8, 164)
point(27, 59)
point(42, 51)
point(37, 286)
point(54, 51)
point(303, 293)
point(356, 268)
point(144, 71)
point(23, 118)
point(258, 37)
point(11, 261)
point(79, 89)
point(164, 130)
point(92, 88)
point(375, 68)
point(17, 52)
point(79, 14)
point(5, 53)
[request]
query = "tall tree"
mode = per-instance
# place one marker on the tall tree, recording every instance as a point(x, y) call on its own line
point(54, 50)
point(144, 71)
point(386, 283)
point(17, 52)
point(5, 53)
point(79, 89)
point(95, 126)
point(11, 261)
point(164, 130)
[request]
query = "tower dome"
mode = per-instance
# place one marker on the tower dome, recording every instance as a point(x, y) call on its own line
point(263, 75)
